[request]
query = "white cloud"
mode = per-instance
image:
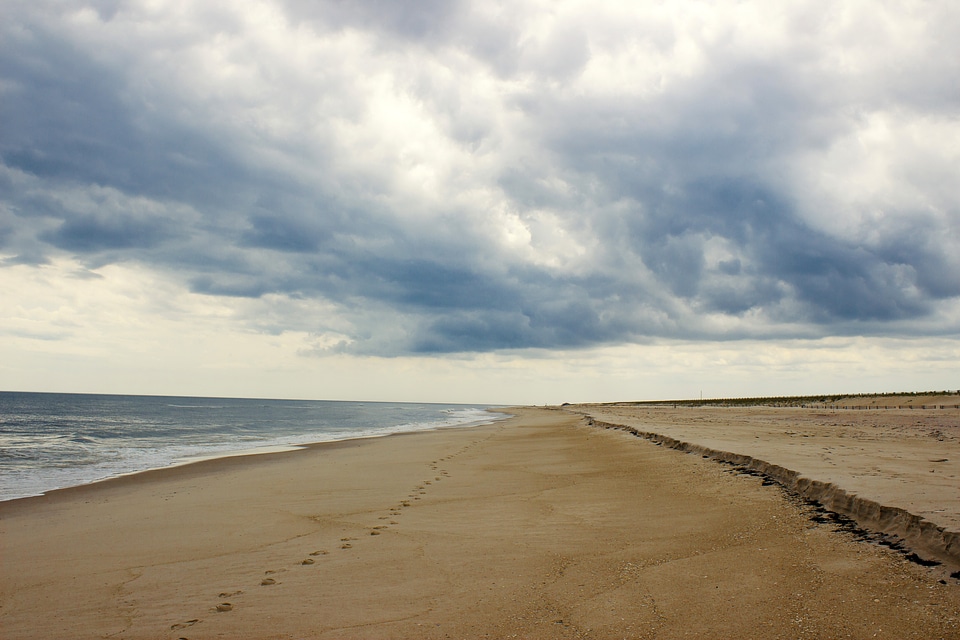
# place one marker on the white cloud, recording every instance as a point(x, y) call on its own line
point(392, 179)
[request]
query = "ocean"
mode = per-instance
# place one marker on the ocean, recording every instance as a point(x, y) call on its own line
point(53, 440)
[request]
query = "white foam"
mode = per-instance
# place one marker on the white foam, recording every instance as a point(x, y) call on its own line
point(129, 460)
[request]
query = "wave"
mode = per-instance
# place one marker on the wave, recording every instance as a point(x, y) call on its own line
point(83, 439)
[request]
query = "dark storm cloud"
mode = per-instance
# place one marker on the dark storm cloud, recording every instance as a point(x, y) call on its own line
point(70, 117)
point(696, 166)
point(564, 215)
point(89, 234)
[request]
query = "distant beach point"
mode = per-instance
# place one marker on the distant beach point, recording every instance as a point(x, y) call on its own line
point(722, 519)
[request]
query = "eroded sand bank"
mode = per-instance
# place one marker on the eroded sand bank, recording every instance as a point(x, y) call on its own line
point(541, 527)
point(894, 470)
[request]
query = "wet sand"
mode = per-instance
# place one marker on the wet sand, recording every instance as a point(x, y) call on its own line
point(540, 527)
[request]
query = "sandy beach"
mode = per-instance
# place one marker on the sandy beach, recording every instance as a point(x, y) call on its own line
point(539, 527)
point(891, 466)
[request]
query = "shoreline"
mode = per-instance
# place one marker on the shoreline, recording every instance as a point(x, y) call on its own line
point(267, 449)
point(538, 526)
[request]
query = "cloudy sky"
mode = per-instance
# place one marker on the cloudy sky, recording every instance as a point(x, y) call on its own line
point(517, 202)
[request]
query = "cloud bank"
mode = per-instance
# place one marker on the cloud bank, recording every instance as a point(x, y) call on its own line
point(456, 177)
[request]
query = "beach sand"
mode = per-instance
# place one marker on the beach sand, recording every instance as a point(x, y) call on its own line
point(892, 469)
point(539, 527)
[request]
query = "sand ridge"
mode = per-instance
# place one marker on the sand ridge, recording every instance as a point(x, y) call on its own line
point(894, 471)
point(540, 527)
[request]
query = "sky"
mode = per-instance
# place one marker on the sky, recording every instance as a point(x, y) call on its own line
point(512, 203)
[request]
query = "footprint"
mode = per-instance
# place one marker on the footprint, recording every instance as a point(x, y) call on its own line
point(321, 552)
point(229, 594)
point(346, 545)
point(308, 561)
point(374, 533)
point(184, 625)
point(267, 582)
point(224, 606)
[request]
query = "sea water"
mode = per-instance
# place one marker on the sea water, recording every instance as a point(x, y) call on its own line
point(52, 440)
